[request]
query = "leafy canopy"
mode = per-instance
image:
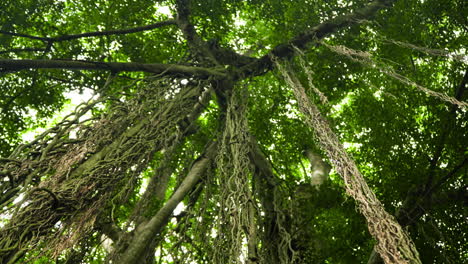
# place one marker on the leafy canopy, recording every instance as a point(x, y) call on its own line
point(409, 144)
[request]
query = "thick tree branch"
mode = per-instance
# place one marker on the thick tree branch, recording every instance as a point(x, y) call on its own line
point(157, 68)
point(95, 33)
point(305, 39)
point(145, 232)
point(262, 164)
point(227, 56)
point(196, 44)
point(209, 51)
point(268, 190)
point(157, 186)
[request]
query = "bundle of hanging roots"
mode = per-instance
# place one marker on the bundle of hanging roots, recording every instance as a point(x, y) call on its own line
point(68, 174)
point(393, 243)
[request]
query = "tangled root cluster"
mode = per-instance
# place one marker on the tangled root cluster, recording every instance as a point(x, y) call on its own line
point(80, 165)
point(237, 208)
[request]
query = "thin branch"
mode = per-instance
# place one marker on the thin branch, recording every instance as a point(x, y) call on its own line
point(411, 210)
point(449, 175)
point(11, 99)
point(45, 39)
point(158, 68)
point(116, 32)
point(22, 50)
point(95, 33)
point(418, 201)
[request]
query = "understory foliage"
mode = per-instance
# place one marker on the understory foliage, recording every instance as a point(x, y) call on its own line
point(233, 131)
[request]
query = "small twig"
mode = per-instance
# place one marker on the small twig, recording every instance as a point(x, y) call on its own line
point(448, 176)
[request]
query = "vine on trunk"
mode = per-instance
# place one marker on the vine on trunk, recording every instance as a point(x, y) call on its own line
point(236, 221)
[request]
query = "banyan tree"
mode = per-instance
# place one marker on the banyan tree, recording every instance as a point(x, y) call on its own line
point(229, 131)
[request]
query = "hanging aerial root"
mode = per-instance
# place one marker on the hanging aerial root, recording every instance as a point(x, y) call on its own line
point(309, 73)
point(101, 166)
point(393, 243)
point(238, 210)
point(28, 162)
point(432, 52)
point(366, 59)
point(276, 236)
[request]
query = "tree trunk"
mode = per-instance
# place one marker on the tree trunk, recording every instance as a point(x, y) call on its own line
point(146, 231)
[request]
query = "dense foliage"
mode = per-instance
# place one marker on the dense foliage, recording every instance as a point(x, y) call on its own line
point(189, 108)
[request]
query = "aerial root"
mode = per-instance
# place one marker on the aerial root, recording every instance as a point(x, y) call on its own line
point(101, 164)
point(394, 244)
point(366, 59)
